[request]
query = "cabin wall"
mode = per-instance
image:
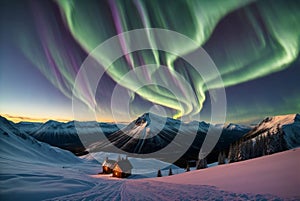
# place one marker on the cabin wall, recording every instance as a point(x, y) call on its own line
point(106, 170)
point(120, 174)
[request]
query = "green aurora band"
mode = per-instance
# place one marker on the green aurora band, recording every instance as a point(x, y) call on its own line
point(268, 44)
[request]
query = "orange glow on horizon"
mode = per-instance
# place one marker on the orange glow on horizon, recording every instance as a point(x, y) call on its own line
point(17, 119)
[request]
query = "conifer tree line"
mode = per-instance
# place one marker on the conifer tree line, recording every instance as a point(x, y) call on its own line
point(260, 145)
point(160, 175)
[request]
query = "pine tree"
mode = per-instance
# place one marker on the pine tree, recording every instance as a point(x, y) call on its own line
point(202, 164)
point(238, 150)
point(284, 145)
point(170, 172)
point(234, 152)
point(255, 148)
point(282, 142)
point(248, 149)
point(243, 151)
point(259, 146)
point(251, 152)
point(271, 143)
point(159, 173)
point(221, 158)
point(232, 157)
point(224, 157)
point(268, 143)
point(187, 167)
point(230, 154)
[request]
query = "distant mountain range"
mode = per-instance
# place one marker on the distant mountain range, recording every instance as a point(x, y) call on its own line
point(147, 134)
point(150, 133)
point(64, 135)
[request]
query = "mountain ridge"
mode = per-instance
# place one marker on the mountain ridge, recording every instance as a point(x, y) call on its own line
point(146, 134)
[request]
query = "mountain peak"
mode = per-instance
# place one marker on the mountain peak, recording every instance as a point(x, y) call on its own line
point(51, 123)
point(283, 119)
point(297, 117)
point(148, 117)
point(5, 121)
point(142, 119)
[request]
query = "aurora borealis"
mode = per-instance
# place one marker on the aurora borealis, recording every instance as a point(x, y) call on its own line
point(255, 46)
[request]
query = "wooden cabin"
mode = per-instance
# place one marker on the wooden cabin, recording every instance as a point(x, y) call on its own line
point(122, 168)
point(107, 166)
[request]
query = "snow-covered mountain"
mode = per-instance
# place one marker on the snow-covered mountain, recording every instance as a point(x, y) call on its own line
point(33, 170)
point(65, 135)
point(19, 146)
point(150, 133)
point(292, 132)
point(273, 134)
point(147, 134)
point(16, 146)
point(232, 126)
point(288, 125)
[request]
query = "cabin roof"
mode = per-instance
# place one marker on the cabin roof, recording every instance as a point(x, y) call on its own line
point(109, 163)
point(124, 165)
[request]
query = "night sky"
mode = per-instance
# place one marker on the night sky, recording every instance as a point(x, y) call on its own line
point(254, 45)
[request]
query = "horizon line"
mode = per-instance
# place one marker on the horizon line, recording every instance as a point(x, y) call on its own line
point(18, 119)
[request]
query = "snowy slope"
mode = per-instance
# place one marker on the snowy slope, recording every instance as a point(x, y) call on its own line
point(33, 170)
point(275, 174)
point(268, 178)
point(19, 146)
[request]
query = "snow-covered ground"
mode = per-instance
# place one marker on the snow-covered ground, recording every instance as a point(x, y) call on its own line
point(273, 177)
point(276, 174)
point(31, 170)
point(142, 167)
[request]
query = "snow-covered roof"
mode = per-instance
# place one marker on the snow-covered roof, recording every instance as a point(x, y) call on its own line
point(124, 165)
point(109, 163)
